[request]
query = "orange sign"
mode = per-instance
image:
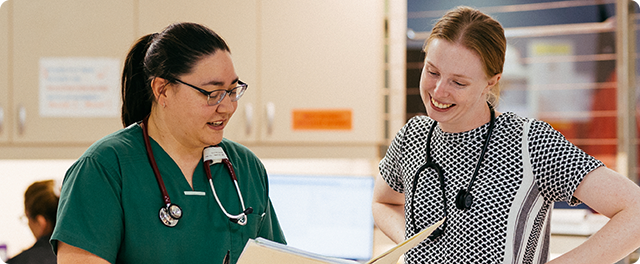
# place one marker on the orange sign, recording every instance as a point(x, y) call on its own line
point(323, 119)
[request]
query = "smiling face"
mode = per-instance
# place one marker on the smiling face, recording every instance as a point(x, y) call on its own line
point(454, 86)
point(193, 122)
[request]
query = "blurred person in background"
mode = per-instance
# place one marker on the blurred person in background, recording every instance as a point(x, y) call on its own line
point(40, 205)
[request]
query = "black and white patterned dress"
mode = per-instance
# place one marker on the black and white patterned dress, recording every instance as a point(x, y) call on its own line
point(513, 195)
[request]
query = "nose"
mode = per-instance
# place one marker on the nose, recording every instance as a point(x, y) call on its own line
point(440, 89)
point(226, 106)
point(433, 85)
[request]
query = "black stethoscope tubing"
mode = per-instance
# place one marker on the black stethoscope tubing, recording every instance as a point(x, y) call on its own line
point(464, 199)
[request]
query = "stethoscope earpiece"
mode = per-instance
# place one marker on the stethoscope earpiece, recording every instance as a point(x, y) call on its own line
point(436, 233)
point(241, 219)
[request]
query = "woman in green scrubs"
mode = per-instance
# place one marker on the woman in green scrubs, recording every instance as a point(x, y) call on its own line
point(179, 90)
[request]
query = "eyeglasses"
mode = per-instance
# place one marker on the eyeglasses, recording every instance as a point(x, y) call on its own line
point(216, 96)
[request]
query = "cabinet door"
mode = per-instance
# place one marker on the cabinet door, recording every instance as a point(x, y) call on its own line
point(4, 72)
point(322, 56)
point(100, 31)
point(236, 22)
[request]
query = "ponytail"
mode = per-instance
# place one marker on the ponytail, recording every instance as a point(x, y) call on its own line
point(136, 96)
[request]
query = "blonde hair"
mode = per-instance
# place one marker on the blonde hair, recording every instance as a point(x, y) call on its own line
point(477, 32)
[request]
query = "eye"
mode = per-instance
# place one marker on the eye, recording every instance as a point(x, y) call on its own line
point(459, 84)
point(215, 94)
point(432, 73)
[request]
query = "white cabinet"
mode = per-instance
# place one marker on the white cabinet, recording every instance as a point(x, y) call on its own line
point(59, 30)
point(322, 58)
point(63, 29)
point(309, 64)
point(326, 56)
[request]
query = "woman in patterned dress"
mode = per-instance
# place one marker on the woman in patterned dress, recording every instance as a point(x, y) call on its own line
point(495, 176)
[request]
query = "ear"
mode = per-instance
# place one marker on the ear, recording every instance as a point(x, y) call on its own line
point(159, 88)
point(41, 226)
point(492, 82)
point(41, 220)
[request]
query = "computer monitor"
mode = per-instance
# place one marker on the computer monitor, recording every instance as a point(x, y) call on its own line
point(328, 215)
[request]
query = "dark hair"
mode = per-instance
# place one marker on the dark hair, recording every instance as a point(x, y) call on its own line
point(40, 199)
point(168, 54)
point(478, 32)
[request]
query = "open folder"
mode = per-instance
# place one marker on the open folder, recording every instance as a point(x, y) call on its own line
point(266, 251)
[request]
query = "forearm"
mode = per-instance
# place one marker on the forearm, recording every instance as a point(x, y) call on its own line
point(614, 241)
point(390, 220)
point(618, 198)
point(70, 254)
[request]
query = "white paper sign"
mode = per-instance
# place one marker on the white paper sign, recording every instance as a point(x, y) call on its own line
point(79, 87)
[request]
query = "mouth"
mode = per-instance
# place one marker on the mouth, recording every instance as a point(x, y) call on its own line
point(440, 105)
point(216, 123)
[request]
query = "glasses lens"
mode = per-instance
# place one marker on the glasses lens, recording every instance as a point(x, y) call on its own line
point(216, 97)
point(237, 92)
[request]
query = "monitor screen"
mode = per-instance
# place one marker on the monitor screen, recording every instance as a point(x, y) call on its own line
point(328, 215)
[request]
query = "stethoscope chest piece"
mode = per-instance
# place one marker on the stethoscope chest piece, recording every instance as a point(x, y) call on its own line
point(169, 215)
point(464, 200)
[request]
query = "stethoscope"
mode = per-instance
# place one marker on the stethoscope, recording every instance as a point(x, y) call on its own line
point(170, 213)
point(464, 199)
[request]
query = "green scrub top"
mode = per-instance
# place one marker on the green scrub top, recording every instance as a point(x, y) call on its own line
point(110, 201)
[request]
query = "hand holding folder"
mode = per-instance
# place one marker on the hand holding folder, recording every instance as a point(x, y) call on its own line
point(265, 251)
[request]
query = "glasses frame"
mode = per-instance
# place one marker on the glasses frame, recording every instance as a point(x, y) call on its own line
point(241, 85)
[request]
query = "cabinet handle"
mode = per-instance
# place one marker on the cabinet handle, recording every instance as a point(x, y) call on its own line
point(271, 113)
point(248, 116)
point(22, 119)
point(1, 119)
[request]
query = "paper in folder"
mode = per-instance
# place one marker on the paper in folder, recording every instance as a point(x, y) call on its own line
point(266, 251)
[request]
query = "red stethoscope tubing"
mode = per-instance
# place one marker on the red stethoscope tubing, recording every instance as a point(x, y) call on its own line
point(152, 161)
point(227, 163)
